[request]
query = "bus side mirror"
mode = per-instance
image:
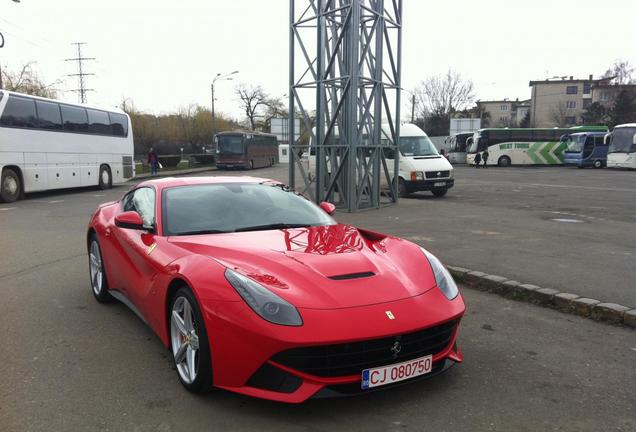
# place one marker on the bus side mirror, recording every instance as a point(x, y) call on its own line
point(606, 139)
point(634, 140)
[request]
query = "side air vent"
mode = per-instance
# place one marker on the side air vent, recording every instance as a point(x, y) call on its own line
point(352, 276)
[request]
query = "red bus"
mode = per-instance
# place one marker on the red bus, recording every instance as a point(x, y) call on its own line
point(247, 150)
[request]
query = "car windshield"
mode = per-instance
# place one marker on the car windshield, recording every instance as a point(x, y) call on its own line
point(231, 207)
point(230, 144)
point(575, 143)
point(417, 146)
point(622, 140)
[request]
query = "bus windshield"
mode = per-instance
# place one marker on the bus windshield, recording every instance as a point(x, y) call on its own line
point(474, 143)
point(575, 143)
point(417, 146)
point(230, 144)
point(623, 140)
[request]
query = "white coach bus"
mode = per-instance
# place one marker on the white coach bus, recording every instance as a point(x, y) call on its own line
point(47, 144)
point(622, 147)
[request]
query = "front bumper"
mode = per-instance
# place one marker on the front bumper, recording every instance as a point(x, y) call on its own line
point(243, 345)
point(427, 185)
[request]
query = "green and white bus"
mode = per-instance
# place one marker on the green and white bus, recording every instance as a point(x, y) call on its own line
point(523, 146)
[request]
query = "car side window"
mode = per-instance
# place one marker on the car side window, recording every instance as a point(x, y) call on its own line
point(142, 201)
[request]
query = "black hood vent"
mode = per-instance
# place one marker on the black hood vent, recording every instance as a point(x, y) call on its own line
point(352, 276)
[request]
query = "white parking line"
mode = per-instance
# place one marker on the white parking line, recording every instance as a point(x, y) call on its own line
point(56, 201)
point(7, 208)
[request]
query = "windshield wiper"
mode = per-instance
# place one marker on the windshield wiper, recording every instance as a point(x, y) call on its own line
point(210, 231)
point(271, 227)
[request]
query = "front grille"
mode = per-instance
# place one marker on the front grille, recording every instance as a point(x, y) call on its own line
point(352, 358)
point(436, 174)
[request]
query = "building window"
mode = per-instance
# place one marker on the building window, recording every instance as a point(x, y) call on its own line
point(570, 104)
point(587, 88)
point(503, 119)
point(605, 96)
point(572, 89)
point(504, 107)
point(570, 120)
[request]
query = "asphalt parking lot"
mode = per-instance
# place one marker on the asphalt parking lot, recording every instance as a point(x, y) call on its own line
point(69, 363)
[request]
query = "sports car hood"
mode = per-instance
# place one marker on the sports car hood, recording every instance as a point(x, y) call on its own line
point(325, 267)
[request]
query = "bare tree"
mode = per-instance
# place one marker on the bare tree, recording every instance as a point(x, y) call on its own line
point(441, 94)
point(559, 115)
point(253, 100)
point(621, 72)
point(26, 80)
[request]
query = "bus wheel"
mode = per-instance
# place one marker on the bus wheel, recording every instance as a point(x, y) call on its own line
point(504, 161)
point(10, 186)
point(105, 179)
point(598, 164)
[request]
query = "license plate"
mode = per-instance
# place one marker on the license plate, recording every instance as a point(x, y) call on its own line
point(396, 372)
point(436, 184)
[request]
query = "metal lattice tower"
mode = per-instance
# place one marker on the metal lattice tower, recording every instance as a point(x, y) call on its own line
point(82, 90)
point(345, 60)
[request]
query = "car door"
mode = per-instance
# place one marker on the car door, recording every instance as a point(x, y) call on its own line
point(138, 266)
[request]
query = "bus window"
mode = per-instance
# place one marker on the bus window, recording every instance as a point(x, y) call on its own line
point(49, 115)
point(19, 112)
point(118, 124)
point(230, 144)
point(600, 141)
point(75, 119)
point(588, 147)
point(98, 122)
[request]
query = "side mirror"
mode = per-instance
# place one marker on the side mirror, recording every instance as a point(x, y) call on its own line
point(327, 207)
point(634, 140)
point(606, 139)
point(130, 220)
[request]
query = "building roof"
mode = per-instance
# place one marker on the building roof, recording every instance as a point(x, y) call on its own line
point(570, 81)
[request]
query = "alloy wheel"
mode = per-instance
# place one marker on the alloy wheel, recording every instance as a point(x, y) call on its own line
point(96, 268)
point(185, 340)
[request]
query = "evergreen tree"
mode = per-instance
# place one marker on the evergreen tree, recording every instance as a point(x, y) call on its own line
point(595, 114)
point(624, 109)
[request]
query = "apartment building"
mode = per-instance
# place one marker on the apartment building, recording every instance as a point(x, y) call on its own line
point(502, 113)
point(560, 102)
point(605, 94)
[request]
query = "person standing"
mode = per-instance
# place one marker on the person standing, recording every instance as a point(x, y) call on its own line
point(477, 160)
point(153, 161)
point(484, 157)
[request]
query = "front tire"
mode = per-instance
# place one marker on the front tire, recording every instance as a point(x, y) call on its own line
point(403, 191)
point(105, 178)
point(10, 186)
point(99, 284)
point(439, 192)
point(189, 342)
point(504, 161)
point(597, 164)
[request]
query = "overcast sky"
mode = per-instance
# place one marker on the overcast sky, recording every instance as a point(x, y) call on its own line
point(163, 54)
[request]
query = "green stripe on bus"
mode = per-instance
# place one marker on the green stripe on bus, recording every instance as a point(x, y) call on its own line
point(545, 152)
point(558, 152)
point(532, 152)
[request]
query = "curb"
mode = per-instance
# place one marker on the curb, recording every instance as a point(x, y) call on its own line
point(172, 173)
point(574, 304)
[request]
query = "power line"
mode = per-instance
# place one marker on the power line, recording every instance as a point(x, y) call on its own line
point(82, 90)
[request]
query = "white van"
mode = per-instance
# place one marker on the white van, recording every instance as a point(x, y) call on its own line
point(422, 168)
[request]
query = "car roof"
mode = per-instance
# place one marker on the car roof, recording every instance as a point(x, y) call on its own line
point(168, 182)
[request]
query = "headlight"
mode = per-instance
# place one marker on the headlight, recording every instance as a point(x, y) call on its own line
point(443, 278)
point(417, 175)
point(264, 302)
point(451, 173)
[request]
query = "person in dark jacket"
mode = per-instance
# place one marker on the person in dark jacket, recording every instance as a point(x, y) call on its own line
point(153, 161)
point(477, 160)
point(484, 157)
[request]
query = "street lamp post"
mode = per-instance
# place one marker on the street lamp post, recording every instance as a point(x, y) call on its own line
point(218, 77)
